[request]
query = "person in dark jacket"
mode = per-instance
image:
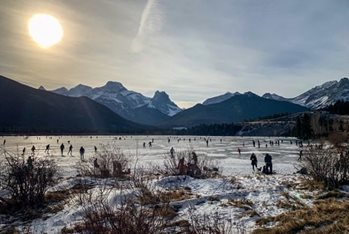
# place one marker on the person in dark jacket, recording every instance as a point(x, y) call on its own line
point(70, 151)
point(268, 163)
point(47, 150)
point(254, 161)
point(33, 150)
point(62, 149)
point(82, 152)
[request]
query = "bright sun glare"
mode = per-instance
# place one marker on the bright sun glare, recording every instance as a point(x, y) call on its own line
point(45, 30)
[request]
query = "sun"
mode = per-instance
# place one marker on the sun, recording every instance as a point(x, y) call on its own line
point(45, 30)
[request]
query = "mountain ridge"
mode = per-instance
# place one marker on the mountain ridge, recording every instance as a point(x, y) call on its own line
point(127, 103)
point(235, 109)
point(35, 110)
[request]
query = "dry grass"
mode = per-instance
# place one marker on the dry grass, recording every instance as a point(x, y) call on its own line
point(326, 216)
point(59, 196)
point(307, 183)
point(240, 203)
point(175, 195)
point(249, 213)
point(331, 194)
point(165, 211)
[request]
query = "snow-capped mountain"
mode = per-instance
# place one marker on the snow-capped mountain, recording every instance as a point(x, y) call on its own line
point(274, 96)
point(79, 90)
point(220, 98)
point(162, 102)
point(319, 96)
point(325, 94)
point(129, 104)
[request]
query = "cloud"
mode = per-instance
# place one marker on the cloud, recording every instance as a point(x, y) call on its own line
point(151, 22)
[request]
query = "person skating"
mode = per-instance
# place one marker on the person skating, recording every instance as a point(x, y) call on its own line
point(254, 161)
point(33, 150)
point(30, 161)
point(300, 155)
point(62, 149)
point(172, 152)
point(47, 150)
point(95, 163)
point(268, 164)
point(82, 152)
point(70, 150)
point(194, 158)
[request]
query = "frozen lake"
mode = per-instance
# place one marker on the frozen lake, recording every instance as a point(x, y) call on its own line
point(223, 150)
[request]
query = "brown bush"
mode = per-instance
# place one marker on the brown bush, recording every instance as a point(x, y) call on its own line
point(26, 182)
point(327, 165)
point(108, 162)
point(203, 168)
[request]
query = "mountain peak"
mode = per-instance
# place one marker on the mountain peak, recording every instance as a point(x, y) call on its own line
point(114, 85)
point(160, 95)
point(220, 98)
point(81, 86)
point(163, 103)
point(250, 94)
point(79, 90)
point(42, 88)
point(61, 91)
point(344, 80)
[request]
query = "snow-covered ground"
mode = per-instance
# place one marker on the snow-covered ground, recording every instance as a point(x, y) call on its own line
point(262, 194)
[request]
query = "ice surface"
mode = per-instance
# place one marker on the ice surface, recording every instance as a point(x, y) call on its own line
point(263, 191)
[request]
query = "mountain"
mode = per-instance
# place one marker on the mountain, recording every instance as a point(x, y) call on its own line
point(42, 87)
point(219, 98)
point(274, 96)
point(79, 91)
point(320, 96)
point(235, 109)
point(25, 109)
point(324, 95)
point(61, 91)
point(129, 104)
point(162, 102)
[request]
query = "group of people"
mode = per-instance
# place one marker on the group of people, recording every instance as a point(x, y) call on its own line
point(191, 167)
point(267, 168)
point(61, 147)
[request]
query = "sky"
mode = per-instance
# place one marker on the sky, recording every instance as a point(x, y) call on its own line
point(192, 49)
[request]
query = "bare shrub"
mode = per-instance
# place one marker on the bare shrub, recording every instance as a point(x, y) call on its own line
point(338, 139)
point(198, 166)
point(108, 162)
point(130, 215)
point(26, 181)
point(327, 165)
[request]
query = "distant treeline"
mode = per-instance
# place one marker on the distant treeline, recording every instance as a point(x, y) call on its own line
point(204, 129)
point(339, 108)
point(212, 130)
point(274, 116)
